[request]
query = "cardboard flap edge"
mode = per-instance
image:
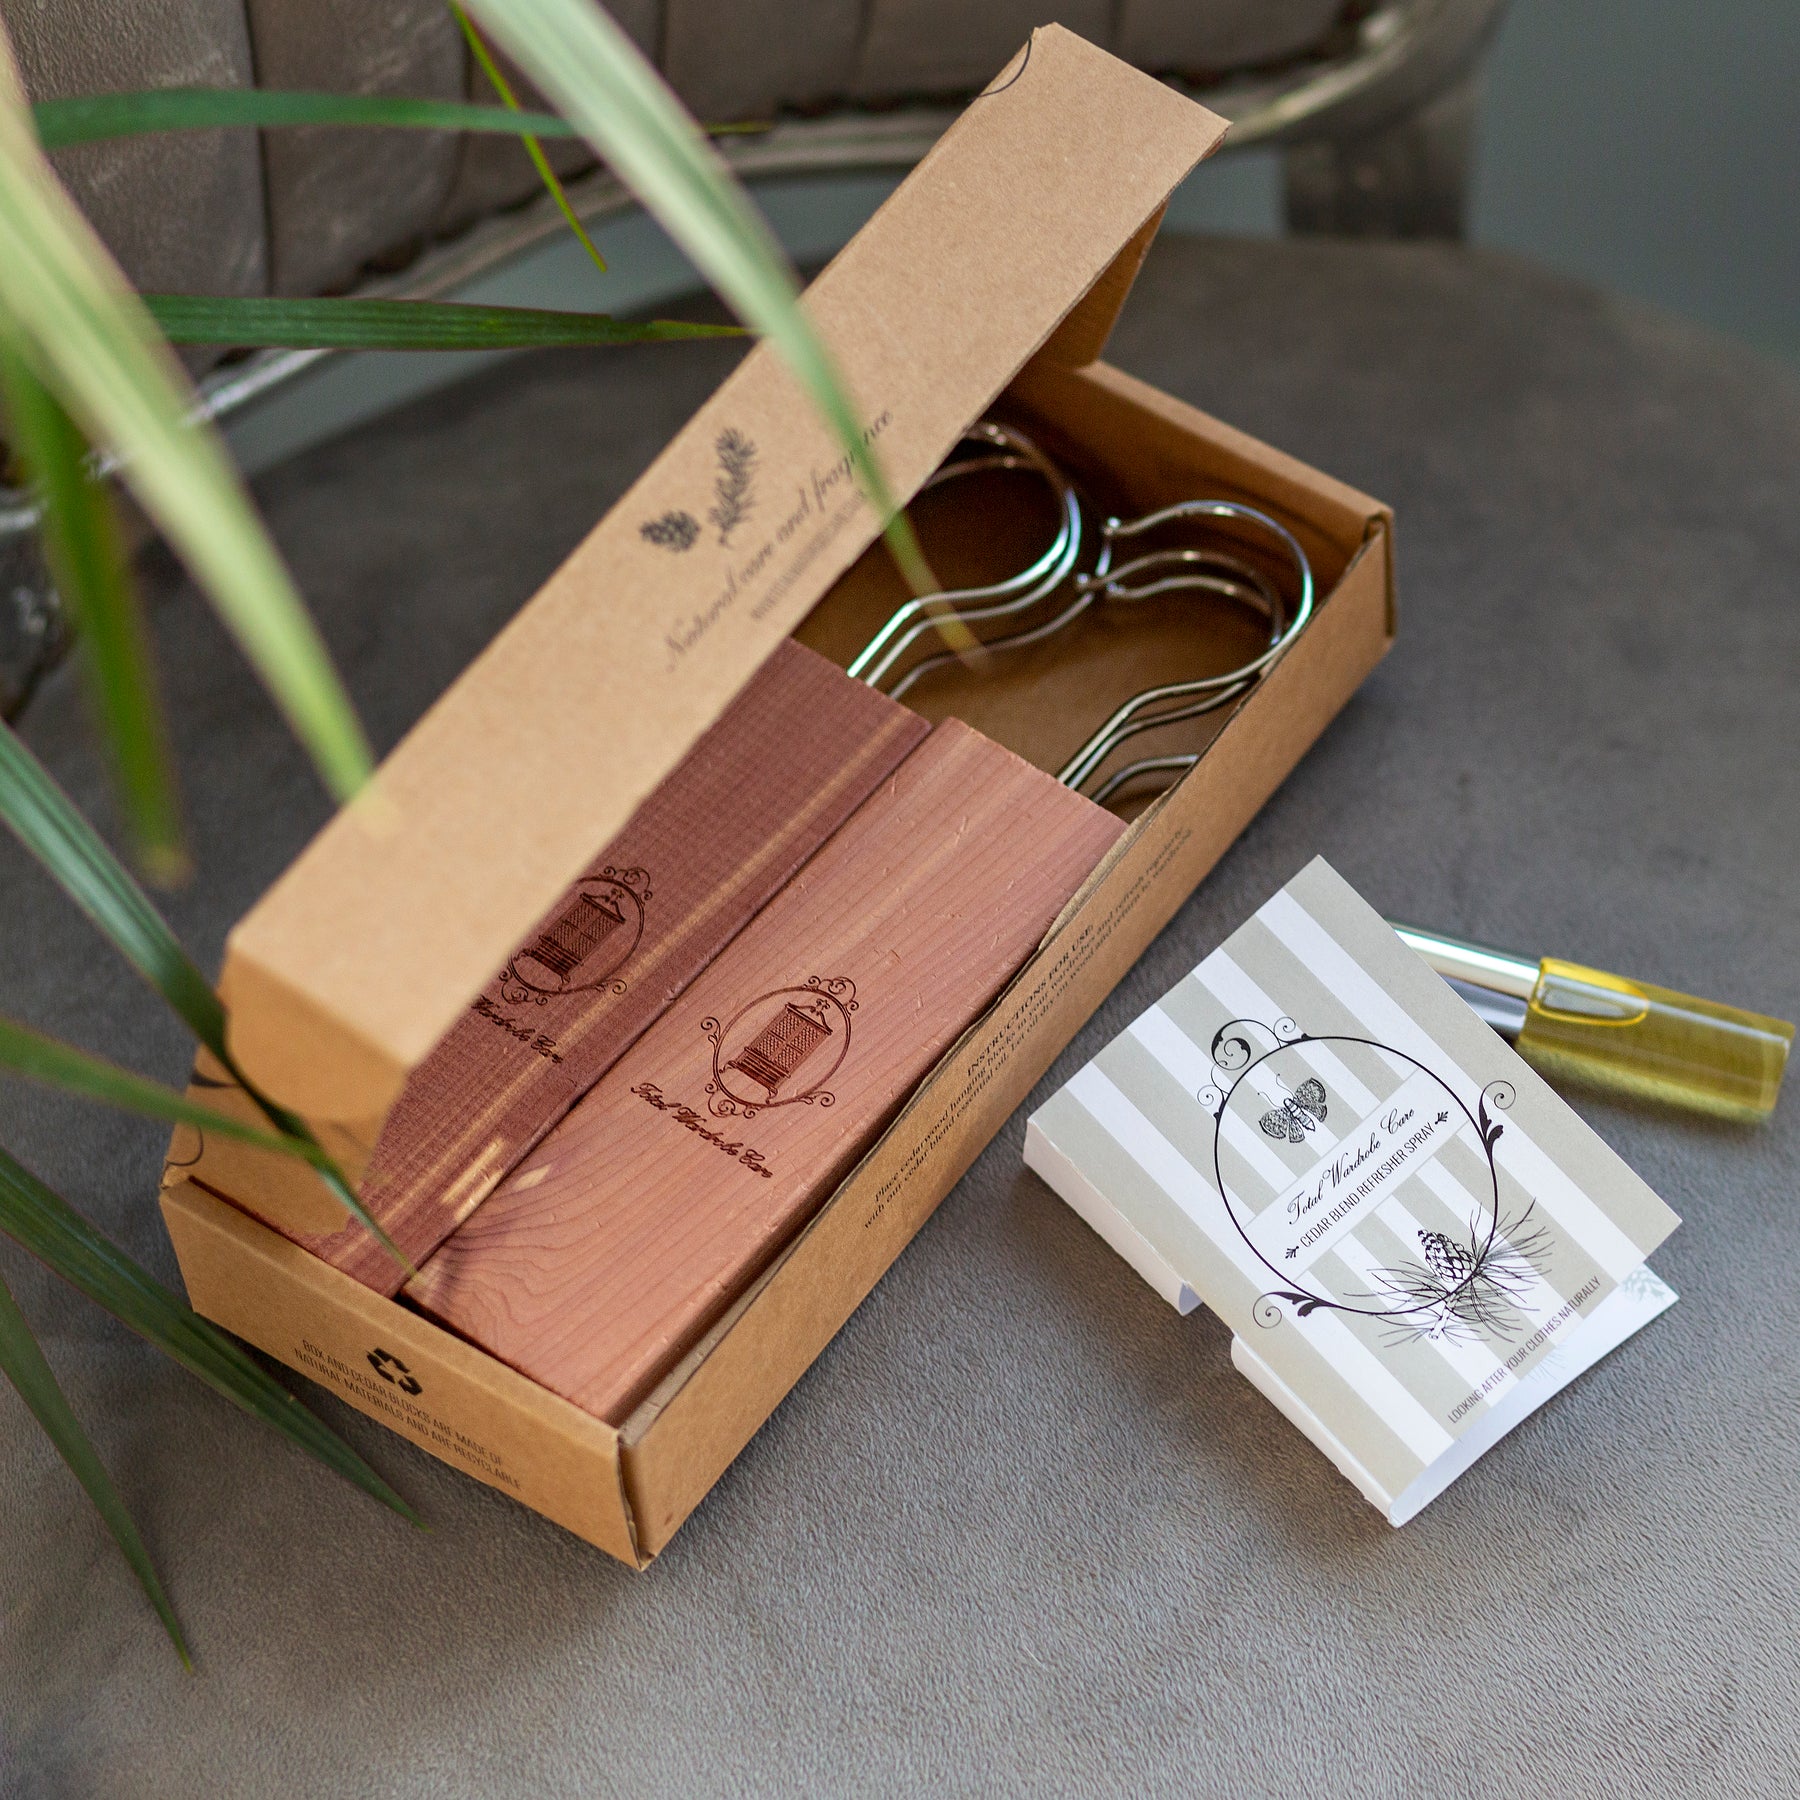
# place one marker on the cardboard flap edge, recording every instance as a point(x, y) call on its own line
point(1029, 215)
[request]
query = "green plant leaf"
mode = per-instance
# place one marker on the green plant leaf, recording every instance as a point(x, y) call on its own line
point(400, 324)
point(46, 822)
point(88, 117)
point(600, 81)
point(23, 1363)
point(291, 1125)
point(87, 557)
point(41, 1221)
point(88, 338)
point(71, 852)
point(49, 1060)
point(539, 161)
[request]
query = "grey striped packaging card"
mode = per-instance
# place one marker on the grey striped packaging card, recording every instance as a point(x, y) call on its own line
point(1413, 1239)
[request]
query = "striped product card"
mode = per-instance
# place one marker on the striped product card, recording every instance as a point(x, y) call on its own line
point(1414, 1238)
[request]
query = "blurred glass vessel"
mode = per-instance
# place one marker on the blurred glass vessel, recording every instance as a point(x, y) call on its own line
point(1585, 1025)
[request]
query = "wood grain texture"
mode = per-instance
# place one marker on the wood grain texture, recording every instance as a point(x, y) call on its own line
point(792, 757)
point(616, 1242)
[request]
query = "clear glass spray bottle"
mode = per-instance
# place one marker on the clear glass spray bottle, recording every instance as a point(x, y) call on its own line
point(1584, 1025)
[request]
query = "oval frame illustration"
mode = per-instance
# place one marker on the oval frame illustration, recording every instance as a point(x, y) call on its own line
point(818, 1000)
point(1234, 1057)
point(628, 891)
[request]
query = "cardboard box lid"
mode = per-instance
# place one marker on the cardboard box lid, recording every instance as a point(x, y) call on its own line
point(1019, 233)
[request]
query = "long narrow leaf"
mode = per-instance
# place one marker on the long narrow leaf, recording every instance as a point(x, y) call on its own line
point(291, 1125)
point(539, 161)
point(601, 82)
point(400, 324)
point(22, 1362)
point(87, 557)
point(47, 823)
point(45, 1224)
point(49, 1060)
point(90, 116)
point(89, 339)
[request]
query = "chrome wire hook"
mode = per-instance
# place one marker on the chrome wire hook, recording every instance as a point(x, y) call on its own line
point(1212, 569)
point(1173, 766)
point(1007, 449)
point(1177, 701)
point(1208, 569)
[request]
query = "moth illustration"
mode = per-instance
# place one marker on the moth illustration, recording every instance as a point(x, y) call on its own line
point(1297, 1114)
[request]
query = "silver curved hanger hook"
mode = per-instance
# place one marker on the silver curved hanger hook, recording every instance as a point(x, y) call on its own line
point(1172, 766)
point(1209, 569)
point(1176, 701)
point(1006, 450)
point(1212, 569)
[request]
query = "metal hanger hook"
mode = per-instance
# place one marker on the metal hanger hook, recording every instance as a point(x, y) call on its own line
point(1010, 450)
point(1176, 701)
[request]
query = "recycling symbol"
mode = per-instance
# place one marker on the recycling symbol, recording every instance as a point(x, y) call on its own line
point(390, 1368)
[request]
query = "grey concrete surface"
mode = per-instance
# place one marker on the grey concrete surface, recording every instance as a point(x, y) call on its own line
point(1021, 1529)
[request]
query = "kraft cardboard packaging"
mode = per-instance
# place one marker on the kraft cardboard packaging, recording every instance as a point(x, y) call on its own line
point(985, 286)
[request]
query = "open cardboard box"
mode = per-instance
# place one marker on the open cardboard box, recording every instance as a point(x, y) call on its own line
point(987, 283)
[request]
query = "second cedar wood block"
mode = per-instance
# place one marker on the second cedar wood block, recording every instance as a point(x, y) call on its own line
point(781, 769)
point(602, 1258)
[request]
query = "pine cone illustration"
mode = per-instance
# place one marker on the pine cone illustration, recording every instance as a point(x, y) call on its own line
point(676, 531)
point(1449, 1261)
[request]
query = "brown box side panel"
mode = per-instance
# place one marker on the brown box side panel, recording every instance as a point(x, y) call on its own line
point(687, 1434)
point(418, 1380)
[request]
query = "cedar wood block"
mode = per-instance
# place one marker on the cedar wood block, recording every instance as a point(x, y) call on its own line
point(602, 1257)
point(786, 763)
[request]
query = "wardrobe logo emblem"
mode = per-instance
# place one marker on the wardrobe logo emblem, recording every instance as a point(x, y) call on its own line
point(1479, 1285)
point(585, 944)
point(782, 1049)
